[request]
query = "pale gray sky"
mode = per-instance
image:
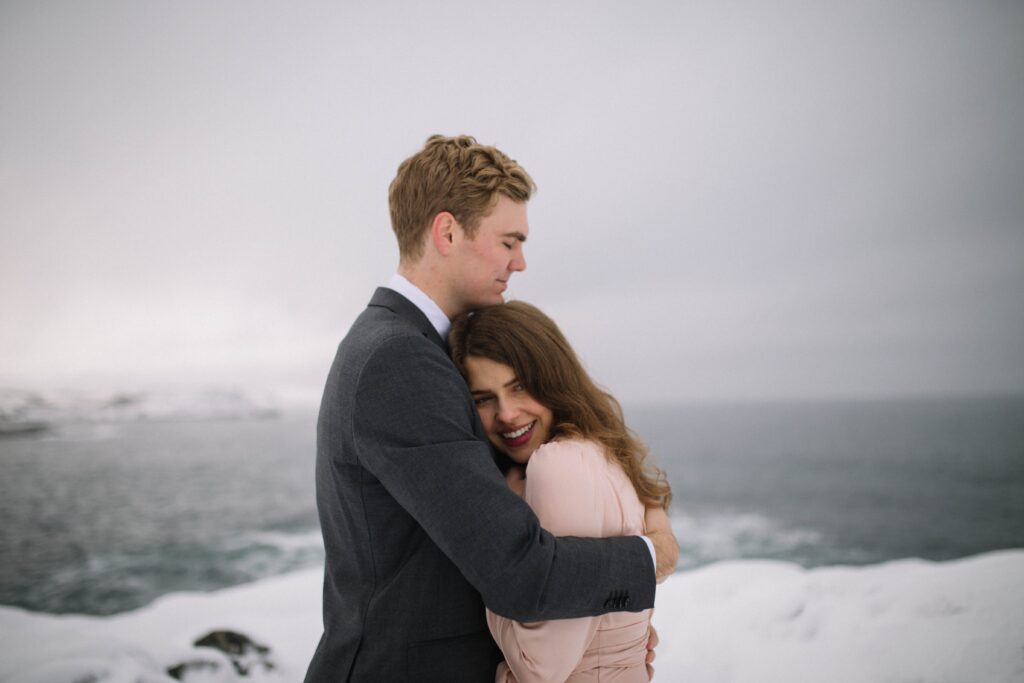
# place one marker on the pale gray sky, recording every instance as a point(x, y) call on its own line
point(737, 199)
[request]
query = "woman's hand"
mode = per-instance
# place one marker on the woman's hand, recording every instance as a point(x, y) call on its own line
point(652, 642)
point(666, 549)
point(516, 479)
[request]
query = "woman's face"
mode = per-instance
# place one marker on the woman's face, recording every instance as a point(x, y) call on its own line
point(515, 422)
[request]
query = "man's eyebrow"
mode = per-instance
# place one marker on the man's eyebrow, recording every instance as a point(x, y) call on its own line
point(516, 235)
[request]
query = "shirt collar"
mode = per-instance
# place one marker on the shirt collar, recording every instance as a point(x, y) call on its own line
point(435, 315)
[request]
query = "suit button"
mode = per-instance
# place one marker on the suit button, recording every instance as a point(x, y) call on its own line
point(617, 600)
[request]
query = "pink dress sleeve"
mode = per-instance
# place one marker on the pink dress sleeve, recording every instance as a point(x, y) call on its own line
point(564, 488)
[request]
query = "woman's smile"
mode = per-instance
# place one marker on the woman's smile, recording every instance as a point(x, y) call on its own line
point(517, 437)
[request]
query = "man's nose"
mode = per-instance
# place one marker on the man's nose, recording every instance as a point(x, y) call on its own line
point(518, 262)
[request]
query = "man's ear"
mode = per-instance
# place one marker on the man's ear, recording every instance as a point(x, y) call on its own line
point(443, 232)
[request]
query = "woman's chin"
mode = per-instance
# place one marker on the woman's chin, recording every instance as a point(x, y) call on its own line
point(519, 456)
point(515, 455)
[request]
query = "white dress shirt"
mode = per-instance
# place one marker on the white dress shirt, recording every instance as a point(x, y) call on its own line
point(434, 314)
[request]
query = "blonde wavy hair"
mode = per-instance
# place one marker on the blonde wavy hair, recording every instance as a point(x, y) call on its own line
point(454, 174)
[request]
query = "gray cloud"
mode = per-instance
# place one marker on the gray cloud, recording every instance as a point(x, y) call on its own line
point(735, 199)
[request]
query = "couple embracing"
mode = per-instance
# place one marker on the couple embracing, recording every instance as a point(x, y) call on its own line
point(487, 516)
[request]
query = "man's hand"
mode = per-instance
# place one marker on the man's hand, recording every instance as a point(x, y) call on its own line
point(666, 548)
point(516, 480)
point(652, 642)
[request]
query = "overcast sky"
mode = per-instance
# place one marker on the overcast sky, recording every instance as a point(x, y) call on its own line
point(736, 200)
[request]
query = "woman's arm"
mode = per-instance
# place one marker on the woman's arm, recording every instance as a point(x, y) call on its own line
point(564, 488)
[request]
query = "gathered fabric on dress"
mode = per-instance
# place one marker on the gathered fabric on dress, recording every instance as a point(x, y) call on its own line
point(576, 490)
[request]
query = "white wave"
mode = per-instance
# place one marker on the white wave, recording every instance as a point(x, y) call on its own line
point(288, 542)
point(723, 536)
point(269, 553)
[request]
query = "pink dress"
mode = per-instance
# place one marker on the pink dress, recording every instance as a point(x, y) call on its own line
point(576, 491)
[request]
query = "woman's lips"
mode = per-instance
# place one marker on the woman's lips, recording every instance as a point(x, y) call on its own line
point(521, 438)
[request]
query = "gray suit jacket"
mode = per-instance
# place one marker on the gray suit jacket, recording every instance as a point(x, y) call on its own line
point(419, 527)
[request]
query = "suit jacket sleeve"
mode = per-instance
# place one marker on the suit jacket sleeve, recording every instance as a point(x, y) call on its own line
point(563, 488)
point(413, 425)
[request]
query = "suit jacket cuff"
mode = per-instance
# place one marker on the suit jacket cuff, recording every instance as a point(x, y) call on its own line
point(650, 547)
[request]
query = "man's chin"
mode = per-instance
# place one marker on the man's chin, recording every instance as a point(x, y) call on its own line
point(492, 300)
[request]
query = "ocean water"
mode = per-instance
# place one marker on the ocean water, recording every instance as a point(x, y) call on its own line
point(842, 482)
point(102, 518)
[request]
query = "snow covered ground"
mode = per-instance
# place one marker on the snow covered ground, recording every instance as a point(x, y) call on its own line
point(761, 621)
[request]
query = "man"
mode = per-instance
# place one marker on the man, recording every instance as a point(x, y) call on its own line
point(418, 522)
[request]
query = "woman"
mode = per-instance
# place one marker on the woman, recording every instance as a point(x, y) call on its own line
point(584, 476)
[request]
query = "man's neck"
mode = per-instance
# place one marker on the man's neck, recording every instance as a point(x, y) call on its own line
point(432, 283)
point(438, 320)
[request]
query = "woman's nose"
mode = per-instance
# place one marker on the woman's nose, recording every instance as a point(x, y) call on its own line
point(507, 412)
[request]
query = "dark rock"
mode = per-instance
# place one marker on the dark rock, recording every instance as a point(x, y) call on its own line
point(231, 643)
point(245, 653)
point(14, 428)
point(179, 671)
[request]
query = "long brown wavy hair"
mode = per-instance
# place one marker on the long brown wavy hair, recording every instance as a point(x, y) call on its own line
point(522, 337)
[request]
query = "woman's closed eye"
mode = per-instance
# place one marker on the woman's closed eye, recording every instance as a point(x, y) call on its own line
point(482, 399)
